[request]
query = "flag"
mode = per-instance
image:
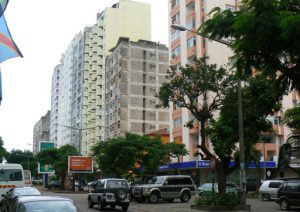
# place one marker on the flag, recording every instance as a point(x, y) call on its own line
point(3, 4)
point(8, 48)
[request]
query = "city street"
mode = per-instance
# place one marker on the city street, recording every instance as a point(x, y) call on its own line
point(80, 199)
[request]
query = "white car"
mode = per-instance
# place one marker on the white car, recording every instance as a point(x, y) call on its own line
point(268, 190)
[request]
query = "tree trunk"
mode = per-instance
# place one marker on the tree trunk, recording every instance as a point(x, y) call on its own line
point(221, 177)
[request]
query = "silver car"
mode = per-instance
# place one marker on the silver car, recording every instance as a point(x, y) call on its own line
point(269, 189)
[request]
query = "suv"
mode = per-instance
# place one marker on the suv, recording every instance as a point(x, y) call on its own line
point(289, 194)
point(168, 188)
point(110, 192)
point(268, 190)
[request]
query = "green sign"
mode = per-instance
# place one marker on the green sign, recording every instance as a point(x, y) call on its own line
point(46, 145)
point(45, 169)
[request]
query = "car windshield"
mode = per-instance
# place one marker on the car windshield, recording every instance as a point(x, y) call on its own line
point(116, 184)
point(29, 191)
point(156, 180)
point(49, 206)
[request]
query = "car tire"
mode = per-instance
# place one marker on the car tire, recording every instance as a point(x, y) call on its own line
point(284, 205)
point(125, 207)
point(265, 197)
point(90, 203)
point(154, 197)
point(101, 205)
point(185, 196)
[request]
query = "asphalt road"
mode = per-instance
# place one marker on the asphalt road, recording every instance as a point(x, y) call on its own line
point(80, 199)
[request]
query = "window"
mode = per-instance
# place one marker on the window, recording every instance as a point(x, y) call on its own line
point(190, 24)
point(274, 184)
point(190, 7)
point(191, 42)
point(178, 122)
point(176, 52)
point(176, 18)
point(175, 35)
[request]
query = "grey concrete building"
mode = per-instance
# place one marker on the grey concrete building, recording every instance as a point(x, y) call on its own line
point(134, 72)
point(41, 132)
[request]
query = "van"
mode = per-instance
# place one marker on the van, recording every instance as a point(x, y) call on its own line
point(268, 190)
point(27, 177)
point(11, 176)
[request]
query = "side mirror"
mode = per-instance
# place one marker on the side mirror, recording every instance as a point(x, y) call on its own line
point(3, 195)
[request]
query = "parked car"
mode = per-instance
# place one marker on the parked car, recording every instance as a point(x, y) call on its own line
point(110, 192)
point(42, 204)
point(289, 194)
point(54, 184)
point(13, 192)
point(268, 190)
point(167, 188)
point(207, 188)
point(137, 181)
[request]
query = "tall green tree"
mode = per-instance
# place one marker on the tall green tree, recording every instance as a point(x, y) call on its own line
point(131, 154)
point(58, 158)
point(292, 118)
point(260, 99)
point(201, 89)
point(264, 36)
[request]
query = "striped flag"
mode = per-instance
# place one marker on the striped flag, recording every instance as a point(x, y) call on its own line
point(3, 4)
point(8, 48)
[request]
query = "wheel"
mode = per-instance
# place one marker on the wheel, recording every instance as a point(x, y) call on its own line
point(284, 205)
point(90, 203)
point(154, 197)
point(121, 194)
point(101, 205)
point(125, 207)
point(265, 197)
point(185, 196)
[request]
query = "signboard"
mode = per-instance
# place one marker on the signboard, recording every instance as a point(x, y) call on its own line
point(45, 145)
point(80, 164)
point(45, 168)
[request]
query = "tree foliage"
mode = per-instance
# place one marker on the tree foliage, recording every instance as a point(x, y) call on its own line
point(292, 118)
point(25, 158)
point(264, 35)
point(3, 152)
point(58, 158)
point(131, 154)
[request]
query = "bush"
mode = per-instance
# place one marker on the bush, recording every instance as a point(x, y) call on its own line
point(229, 199)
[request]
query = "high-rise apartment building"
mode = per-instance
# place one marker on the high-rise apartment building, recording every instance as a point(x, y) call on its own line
point(41, 132)
point(66, 96)
point(128, 19)
point(134, 73)
point(184, 47)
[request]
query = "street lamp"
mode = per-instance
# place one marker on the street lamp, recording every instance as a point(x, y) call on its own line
point(240, 116)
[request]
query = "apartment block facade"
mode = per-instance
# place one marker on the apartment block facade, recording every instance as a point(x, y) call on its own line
point(134, 73)
point(126, 18)
point(41, 132)
point(184, 47)
point(66, 96)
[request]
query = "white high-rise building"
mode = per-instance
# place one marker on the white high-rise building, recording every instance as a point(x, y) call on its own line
point(125, 19)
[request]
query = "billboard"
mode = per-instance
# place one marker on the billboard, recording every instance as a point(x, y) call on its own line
point(80, 164)
point(45, 168)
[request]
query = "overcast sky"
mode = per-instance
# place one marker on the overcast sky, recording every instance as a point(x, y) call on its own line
point(42, 29)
